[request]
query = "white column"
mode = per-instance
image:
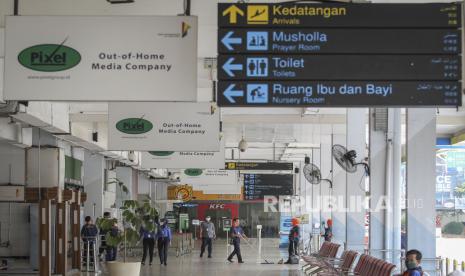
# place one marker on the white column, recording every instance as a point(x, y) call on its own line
point(339, 215)
point(93, 179)
point(377, 183)
point(421, 176)
point(355, 193)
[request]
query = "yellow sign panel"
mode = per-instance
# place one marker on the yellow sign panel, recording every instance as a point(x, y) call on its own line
point(233, 11)
point(231, 165)
point(257, 14)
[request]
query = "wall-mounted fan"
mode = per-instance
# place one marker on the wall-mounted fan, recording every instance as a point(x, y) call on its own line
point(347, 159)
point(313, 174)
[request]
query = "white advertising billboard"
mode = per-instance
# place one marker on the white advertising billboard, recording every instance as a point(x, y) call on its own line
point(212, 181)
point(163, 126)
point(101, 58)
point(184, 159)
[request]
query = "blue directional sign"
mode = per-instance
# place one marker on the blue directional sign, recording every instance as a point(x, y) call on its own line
point(341, 67)
point(339, 41)
point(230, 93)
point(323, 55)
point(257, 41)
point(229, 41)
point(229, 67)
point(257, 93)
point(338, 93)
point(257, 67)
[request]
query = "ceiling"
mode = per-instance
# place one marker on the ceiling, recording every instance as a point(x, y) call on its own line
point(269, 131)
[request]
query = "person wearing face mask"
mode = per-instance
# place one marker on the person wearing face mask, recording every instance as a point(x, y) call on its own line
point(207, 233)
point(163, 240)
point(412, 262)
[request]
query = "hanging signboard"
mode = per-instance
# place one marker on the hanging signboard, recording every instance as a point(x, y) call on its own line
point(212, 181)
point(340, 67)
point(259, 166)
point(339, 55)
point(339, 93)
point(257, 186)
point(311, 15)
point(183, 159)
point(339, 41)
point(101, 58)
point(144, 126)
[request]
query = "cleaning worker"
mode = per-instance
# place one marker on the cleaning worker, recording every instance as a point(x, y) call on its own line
point(294, 237)
point(328, 235)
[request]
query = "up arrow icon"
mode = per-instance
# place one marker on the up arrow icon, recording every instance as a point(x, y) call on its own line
point(233, 11)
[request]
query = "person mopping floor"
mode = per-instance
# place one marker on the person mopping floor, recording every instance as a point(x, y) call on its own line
point(294, 237)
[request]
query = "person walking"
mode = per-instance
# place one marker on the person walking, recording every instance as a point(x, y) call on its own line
point(163, 240)
point(207, 233)
point(236, 234)
point(148, 242)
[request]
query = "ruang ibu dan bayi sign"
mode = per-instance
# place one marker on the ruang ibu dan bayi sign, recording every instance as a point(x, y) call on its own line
point(82, 58)
point(167, 127)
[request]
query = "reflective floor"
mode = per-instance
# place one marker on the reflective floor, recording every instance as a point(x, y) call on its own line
point(192, 264)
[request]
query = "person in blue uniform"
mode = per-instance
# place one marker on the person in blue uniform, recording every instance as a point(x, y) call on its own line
point(148, 242)
point(89, 234)
point(163, 240)
point(236, 234)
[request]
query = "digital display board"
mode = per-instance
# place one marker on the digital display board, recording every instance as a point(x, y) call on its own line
point(344, 55)
point(257, 186)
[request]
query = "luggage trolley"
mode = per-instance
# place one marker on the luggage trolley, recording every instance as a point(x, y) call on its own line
point(89, 254)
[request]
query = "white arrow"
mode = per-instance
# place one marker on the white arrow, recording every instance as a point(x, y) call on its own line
point(228, 40)
point(230, 93)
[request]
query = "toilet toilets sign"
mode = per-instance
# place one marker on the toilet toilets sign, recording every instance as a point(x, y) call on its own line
point(167, 126)
point(101, 58)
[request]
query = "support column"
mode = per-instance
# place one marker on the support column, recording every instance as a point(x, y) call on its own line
point(61, 238)
point(339, 215)
point(421, 176)
point(355, 192)
point(45, 253)
point(378, 153)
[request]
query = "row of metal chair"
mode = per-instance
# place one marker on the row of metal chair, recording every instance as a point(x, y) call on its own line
point(325, 263)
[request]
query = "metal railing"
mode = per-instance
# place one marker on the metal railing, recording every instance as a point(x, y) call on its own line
point(456, 265)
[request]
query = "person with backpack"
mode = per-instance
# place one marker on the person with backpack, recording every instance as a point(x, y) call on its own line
point(294, 237)
point(412, 262)
point(163, 240)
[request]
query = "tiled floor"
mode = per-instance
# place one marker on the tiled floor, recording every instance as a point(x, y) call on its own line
point(192, 264)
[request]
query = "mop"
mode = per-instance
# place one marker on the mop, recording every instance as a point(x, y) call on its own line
point(265, 261)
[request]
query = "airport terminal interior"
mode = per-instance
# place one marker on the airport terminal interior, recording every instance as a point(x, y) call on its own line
point(256, 137)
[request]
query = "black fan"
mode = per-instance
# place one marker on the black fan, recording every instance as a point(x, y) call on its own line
point(313, 174)
point(346, 159)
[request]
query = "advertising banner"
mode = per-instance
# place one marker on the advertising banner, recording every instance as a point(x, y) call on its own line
point(101, 58)
point(212, 181)
point(163, 126)
point(184, 159)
